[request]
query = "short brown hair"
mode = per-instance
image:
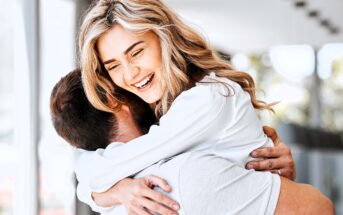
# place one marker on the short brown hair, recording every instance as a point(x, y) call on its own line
point(75, 119)
point(84, 126)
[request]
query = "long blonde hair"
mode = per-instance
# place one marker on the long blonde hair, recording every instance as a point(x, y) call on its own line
point(186, 56)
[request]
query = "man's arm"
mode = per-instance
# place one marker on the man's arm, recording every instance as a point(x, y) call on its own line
point(303, 199)
point(225, 186)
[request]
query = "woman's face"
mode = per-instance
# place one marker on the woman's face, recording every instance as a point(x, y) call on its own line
point(133, 61)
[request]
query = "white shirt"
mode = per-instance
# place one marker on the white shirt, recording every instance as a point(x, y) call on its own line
point(211, 117)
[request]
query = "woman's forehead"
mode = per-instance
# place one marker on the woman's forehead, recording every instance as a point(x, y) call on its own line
point(118, 39)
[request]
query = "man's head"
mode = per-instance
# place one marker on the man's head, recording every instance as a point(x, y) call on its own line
point(83, 126)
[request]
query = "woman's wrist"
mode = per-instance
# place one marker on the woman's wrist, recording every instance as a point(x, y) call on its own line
point(112, 196)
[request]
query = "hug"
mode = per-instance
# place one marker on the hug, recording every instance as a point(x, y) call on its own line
point(162, 124)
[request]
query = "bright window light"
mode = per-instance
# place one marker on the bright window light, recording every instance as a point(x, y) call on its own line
point(293, 62)
point(326, 55)
point(240, 61)
point(289, 94)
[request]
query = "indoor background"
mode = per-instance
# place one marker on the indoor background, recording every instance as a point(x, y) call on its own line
point(292, 48)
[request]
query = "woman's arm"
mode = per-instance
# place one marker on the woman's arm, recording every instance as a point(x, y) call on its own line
point(198, 111)
point(278, 159)
point(137, 196)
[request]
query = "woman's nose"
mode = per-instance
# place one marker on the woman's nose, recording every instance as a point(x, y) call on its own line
point(131, 73)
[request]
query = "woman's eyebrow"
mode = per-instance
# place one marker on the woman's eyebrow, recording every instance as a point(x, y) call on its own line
point(132, 46)
point(125, 52)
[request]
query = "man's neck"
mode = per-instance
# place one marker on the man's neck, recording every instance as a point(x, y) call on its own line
point(127, 127)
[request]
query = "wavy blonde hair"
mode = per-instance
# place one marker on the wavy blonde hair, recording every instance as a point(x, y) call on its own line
point(186, 56)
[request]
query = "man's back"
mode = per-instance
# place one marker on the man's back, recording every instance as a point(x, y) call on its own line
point(207, 184)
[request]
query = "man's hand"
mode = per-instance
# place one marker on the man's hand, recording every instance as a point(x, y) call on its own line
point(278, 159)
point(138, 197)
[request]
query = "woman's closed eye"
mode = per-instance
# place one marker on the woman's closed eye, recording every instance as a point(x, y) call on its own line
point(133, 55)
point(136, 53)
point(112, 67)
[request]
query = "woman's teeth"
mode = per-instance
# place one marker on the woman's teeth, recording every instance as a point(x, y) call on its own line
point(144, 82)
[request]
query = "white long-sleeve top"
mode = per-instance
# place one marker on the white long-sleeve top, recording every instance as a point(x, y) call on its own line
point(211, 117)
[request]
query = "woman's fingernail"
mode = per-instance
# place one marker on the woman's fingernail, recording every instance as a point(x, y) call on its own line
point(249, 166)
point(254, 154)
point(175, 207)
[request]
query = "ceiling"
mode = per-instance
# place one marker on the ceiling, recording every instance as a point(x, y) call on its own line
point(256, 25)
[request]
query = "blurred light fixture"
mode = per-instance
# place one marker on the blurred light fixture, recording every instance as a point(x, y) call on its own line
point(293, 62)
point(300, 4)
point(325, 22)
point(313, 13)
point(290, 93)
point(240, 61)
point(334, 30)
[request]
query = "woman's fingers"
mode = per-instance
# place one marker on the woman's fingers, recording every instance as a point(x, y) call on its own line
point(156, 207)
point(161, 199)
point(137, 210)
point(139, 197)
point(142, 211)
point(157, 181)
point(144, 200)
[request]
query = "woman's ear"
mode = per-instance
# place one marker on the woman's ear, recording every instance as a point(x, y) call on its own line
point(112, 101)
point(115, 103)
point(125, 108)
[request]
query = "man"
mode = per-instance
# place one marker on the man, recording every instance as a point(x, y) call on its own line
point(229, 189)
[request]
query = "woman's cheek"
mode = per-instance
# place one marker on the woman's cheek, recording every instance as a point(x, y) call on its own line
point(116, 80)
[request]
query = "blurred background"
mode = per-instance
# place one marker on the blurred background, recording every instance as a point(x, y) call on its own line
point(292, 48)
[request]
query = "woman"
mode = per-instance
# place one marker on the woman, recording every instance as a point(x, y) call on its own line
point(204, 104)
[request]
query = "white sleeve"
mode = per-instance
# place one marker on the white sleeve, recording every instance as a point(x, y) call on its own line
point(195, 116)
point(84, 194)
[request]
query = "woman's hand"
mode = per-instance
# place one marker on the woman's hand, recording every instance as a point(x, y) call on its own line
point(138, 196)
point(278, 159)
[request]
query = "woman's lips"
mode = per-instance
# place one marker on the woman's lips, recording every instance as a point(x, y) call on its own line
point(145, 83)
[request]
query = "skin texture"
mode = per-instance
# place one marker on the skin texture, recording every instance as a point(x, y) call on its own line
point(127, 127)
point(128, 68)
point(302, 199)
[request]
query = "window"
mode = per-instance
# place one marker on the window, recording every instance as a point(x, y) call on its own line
point(57, 23)
point(7, 152)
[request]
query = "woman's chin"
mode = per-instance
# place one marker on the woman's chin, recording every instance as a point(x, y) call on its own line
point(151, 100)
point(151, 96)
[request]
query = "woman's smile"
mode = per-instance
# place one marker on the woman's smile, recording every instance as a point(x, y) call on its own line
point(145, 83)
